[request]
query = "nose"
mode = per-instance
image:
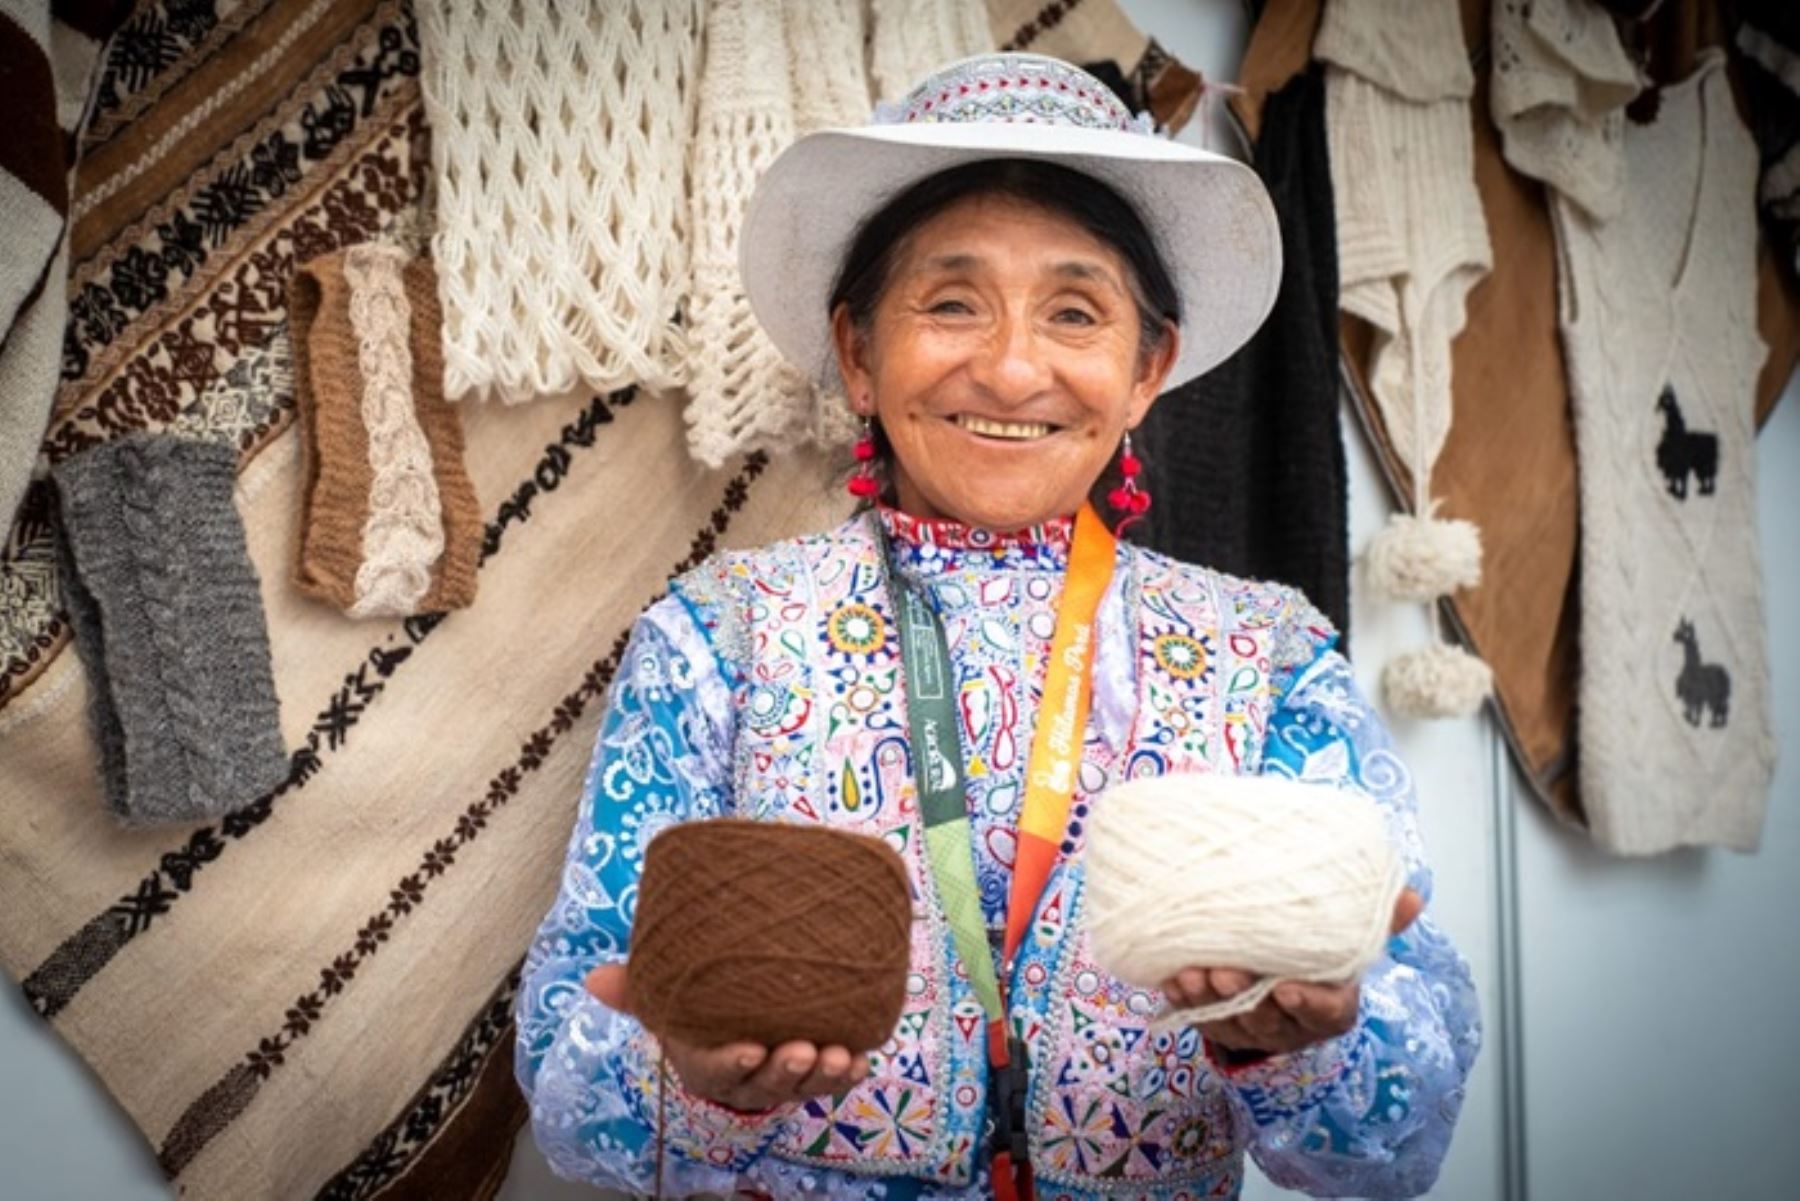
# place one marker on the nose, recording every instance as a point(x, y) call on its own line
point(1011, 366)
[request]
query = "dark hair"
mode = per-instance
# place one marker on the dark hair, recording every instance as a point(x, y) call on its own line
point(1083, 199)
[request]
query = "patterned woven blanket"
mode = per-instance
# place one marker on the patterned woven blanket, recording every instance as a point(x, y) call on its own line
point(311, 996)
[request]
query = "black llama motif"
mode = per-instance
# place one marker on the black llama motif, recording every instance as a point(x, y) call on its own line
point(1700, 685)
point(1682, 450)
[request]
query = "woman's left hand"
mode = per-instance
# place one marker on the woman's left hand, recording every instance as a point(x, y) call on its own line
point(1295, 1015)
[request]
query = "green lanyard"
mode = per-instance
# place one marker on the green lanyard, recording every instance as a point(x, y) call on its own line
point(938, 766)
point(1050, 782)
point(949, 844)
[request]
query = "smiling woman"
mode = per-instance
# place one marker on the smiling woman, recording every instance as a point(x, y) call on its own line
point(1004, 272)
point(1007, 322)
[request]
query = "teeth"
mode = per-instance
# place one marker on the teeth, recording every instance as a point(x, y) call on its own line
point(1022, 431)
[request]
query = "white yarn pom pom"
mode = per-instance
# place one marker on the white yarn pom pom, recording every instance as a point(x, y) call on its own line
point(1436, 681)
point(1418, 558)
point(1286, 880)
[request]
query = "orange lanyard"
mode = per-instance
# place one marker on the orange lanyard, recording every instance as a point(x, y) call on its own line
point(1050, 788)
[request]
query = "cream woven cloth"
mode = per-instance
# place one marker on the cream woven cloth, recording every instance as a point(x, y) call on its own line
point(262, 994)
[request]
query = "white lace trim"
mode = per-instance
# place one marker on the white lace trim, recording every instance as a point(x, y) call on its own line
point(404, 533)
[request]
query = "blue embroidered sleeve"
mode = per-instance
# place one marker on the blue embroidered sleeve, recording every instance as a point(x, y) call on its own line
point(591, 1074)
point(1369, 1114)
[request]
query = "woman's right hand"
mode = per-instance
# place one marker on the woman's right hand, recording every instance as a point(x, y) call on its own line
point(745, 1076)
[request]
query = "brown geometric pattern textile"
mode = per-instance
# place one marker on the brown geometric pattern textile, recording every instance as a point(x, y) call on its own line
point(167, 300)
point(312, 994)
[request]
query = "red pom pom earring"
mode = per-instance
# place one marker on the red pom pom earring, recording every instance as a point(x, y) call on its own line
point(1131, 501)
point(863, 485)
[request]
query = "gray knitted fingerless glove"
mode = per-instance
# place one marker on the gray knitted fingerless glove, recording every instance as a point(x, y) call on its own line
point(166, 613)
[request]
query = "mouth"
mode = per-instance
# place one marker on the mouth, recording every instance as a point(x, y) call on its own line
point(1004, 431)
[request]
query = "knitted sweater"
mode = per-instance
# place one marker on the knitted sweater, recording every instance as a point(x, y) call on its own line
point(1658, 318)
point(1560, 86)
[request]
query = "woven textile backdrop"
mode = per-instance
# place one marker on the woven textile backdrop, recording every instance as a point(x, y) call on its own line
point(311, 996)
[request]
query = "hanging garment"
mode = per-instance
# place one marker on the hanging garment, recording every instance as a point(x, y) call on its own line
point(52, 56)
point(909, 39)
point(1412, 243)
point(1658, 316)
point(559, 136)
point(1247, 462)
point(742, 392)
point(1410, 49)
point(1411, 237)
point(1561, 81)
point(1671, 40)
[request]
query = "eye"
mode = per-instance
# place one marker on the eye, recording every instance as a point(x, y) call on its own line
point(951, 308)
point(1074, 316)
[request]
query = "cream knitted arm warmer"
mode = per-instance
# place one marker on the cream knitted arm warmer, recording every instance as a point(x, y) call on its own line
point(913, 37)
point(390, 526)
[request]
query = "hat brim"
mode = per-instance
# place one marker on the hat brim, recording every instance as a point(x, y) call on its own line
point(1210, 216)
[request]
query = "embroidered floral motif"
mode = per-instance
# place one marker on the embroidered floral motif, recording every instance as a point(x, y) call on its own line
point(1113, 1109)
point(1183, 657)
point(857, 629)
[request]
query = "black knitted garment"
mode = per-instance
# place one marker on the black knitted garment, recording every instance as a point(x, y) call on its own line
point(1246, 464)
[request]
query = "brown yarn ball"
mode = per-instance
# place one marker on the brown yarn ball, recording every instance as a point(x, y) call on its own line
point(768, 932)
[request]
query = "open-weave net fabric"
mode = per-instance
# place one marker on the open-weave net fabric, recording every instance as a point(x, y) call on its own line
point(559, 139)
point(766, 932)
point(593, 163)
point(742, 390)
point(772, 71)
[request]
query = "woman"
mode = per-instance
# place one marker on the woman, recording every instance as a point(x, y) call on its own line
point(1007, 271)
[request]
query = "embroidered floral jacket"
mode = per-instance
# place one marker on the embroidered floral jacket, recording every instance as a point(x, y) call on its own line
point(769, 684)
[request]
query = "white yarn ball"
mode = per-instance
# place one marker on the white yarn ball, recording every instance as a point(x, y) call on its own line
point(1436, 681)
point(1285, 880)
point(1418, 558)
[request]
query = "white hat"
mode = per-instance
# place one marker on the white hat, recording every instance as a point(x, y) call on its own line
point(1210, 216)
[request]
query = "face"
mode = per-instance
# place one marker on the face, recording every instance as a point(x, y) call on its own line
point(1003, 363)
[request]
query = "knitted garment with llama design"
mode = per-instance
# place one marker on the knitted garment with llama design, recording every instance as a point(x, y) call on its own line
point(1659, 323)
